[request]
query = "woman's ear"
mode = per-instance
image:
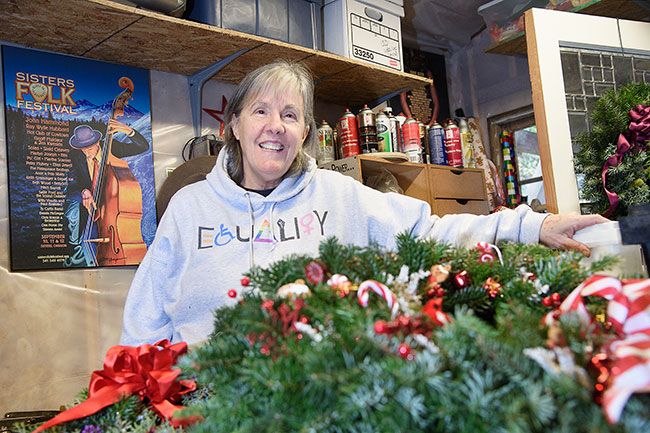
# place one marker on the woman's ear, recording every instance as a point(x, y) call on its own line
point(234, 125)
point(304, 136)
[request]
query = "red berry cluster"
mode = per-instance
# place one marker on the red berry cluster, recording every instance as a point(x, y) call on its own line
point(552, 301)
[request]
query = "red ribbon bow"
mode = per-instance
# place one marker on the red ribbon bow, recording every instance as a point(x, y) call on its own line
point(635, 137)
point(433, 309)
point(145, 371)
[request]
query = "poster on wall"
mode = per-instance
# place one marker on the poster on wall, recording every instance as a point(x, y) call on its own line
point(80, 161)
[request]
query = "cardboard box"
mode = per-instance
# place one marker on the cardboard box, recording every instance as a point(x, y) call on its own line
point(365, 30)
point(348, 166)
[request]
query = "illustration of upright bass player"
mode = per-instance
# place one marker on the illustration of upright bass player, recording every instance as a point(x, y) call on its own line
point(103, 198)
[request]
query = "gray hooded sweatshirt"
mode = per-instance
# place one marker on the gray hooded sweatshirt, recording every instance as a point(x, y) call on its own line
point(214, 231)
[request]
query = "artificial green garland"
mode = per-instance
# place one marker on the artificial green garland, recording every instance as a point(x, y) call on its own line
point(631, 179)
point(471, 374)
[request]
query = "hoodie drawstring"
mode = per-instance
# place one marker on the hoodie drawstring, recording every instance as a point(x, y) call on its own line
point(251, 219)
point(275, 240)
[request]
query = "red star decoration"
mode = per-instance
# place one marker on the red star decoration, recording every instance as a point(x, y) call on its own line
point(218, 113)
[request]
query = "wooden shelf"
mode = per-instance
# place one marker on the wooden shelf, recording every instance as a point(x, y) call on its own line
point(110, 31)
point(622, 9)
point(512, 46)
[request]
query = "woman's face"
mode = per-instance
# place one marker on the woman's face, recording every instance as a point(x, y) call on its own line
point(270, 129)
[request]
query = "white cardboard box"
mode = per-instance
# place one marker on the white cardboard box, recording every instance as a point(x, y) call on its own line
point(348, 166)
point(367, 30)
point(605, 240)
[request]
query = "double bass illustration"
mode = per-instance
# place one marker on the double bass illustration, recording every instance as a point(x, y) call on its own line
point(113, 235)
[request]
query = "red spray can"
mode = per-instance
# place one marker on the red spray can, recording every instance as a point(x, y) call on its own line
point(411, 140)
point(348, 134)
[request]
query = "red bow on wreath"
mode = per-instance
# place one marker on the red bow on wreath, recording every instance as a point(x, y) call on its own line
point(145, 371)
point(635, 138)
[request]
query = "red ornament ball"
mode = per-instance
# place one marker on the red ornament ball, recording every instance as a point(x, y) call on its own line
point(404, 351)
point(556, 298)
point(232, 293)
point(547, 302)
point(380, 327)
point(245, 281)
point(461, 280)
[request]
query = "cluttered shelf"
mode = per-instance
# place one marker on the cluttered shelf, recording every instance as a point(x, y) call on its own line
point(110, 31)
point(622, 9)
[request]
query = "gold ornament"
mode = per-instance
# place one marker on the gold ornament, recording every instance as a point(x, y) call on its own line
point(294, 290)
point(439, 273)
point(492, 287)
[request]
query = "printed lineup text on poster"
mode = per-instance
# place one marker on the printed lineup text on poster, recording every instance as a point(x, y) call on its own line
point(80, 164)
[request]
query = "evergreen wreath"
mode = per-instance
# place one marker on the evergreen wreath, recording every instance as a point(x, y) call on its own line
point(466, 352)
point(631, 179)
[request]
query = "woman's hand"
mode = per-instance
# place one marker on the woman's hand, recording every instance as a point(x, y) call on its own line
point(557, 231)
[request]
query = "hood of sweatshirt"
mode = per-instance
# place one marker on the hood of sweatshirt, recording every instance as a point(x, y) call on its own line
point(238, 197)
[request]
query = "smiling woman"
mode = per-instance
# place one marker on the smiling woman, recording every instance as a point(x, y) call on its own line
point(269, 119)
point(265, 200)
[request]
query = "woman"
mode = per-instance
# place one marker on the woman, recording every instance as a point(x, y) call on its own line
point(265, 199)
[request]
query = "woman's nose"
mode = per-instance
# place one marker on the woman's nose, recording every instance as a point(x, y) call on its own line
point(275, 125)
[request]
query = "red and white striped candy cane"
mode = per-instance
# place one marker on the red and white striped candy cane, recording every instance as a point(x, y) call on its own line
point(486, 252)
point(602, 286)
point(628, 311)
point(381, 290)
point(629, 373)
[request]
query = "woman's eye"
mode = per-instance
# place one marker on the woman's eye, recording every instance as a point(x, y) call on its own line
point(260, 111)
point(290, 115)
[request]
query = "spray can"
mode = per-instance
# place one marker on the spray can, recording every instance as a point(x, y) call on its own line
point(383, 133)
point(348, 134)
point(424, 139)
point(453, 148)
point(367, 131)
point(466, 143)
point(325, 143)
point(437, 153)
point(335, 142)
point(411, 137)
point(395, 130)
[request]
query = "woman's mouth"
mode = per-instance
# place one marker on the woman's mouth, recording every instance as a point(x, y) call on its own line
point(272, 146)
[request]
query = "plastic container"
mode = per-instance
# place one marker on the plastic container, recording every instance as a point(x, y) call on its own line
point(175, 8)
point(366, 30)
point(504, 18)
point(294, 21)
point(605, 240)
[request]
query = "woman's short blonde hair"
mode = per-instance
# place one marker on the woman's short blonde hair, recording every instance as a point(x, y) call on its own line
point(276, 77)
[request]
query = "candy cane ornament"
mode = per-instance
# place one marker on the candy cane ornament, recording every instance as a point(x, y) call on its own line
point(364, 293)
point(628, 310)
point(486, 252)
